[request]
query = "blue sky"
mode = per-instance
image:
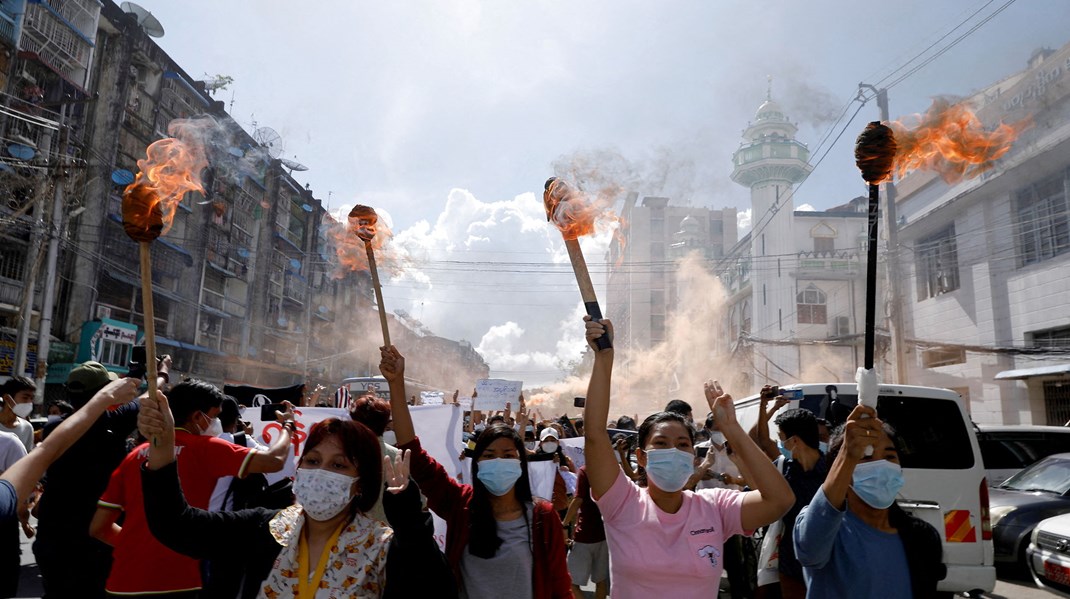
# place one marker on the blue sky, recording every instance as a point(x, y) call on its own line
point(398, 104)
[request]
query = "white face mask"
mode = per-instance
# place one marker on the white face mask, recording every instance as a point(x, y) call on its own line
point(54, 418)
point(215, 428)
point(549, 446)
point(717, 437)
point(323, 494)
point(22, 410)
point(390, 438)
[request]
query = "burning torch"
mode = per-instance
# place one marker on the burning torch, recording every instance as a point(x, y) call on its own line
point(875, 156)
point(567, 211)
point(362, 223)
point(171, 167)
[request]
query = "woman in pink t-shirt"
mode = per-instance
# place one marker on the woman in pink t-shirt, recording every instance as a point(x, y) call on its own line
point(664, 541)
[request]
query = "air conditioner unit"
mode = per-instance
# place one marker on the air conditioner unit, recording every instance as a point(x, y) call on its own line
point(103, 312)
point(841, 326)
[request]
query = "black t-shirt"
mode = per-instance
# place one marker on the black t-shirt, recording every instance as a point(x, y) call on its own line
point(805, 485)
point(75, 481)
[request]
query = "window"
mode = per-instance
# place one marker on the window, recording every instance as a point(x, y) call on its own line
point(942, 356)
point(937, 262)
point(114, 353)
point(824, 245)
point(810, 306)
point(657, 251)
point(657, 300)
point(1042, 220)
point(1052, 338)
point(1057, 402)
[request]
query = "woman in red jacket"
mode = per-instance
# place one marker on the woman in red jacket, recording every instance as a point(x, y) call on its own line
point(497, 534)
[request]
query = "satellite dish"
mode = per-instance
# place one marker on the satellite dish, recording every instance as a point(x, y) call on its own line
point(270, 140)
point(244, 253)
point(306, 207)
point(295, 264)
point(281, 321)
point(293, 165)
point(324, 309)
point(149, 23)
point(236, 152)
point(21, 152)
point(121, 176)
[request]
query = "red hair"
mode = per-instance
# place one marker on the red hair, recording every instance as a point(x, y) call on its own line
point(372, 412)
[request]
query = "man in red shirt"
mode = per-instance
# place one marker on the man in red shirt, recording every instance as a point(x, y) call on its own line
point(142, 565)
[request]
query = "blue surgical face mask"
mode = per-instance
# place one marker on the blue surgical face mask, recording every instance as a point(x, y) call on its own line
point(784, 451)
point(824, 447)
point(499, 475)
point(877, 483)
point(670, 468)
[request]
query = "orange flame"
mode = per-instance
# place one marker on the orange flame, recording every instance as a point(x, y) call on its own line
point(951, 140)
point(349, 246)
point(573, 212)
point(171, 168)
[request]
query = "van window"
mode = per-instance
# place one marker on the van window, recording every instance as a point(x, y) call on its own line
point(1018, 449)
point(932, 432)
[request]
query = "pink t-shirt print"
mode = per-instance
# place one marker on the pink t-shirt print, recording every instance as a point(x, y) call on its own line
point(653, 553)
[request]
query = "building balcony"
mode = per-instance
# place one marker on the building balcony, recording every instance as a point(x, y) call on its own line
point(60, 33)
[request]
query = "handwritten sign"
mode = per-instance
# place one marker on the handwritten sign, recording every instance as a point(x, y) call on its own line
point(431, 398)
point(465, 402)
point(493, 394)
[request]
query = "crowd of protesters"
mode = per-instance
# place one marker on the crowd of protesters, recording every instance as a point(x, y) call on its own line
point(168, 496)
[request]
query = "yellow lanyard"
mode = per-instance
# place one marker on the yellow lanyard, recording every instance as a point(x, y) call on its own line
point(306, 588)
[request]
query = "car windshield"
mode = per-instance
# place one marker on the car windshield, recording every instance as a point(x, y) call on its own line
point(1051, 475)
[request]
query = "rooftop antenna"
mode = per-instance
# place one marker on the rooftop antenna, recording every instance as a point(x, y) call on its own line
point(293, 165)
point(269, 139)
point(145, 19)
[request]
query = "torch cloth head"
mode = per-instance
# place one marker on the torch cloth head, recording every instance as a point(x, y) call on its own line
point(875, 152)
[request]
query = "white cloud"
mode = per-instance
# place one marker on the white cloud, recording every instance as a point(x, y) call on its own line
point(743, 221)
point(496, 273)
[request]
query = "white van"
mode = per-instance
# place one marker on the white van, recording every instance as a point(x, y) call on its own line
point(945, 476)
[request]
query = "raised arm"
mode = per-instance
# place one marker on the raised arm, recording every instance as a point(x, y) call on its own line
point(25, 473)
point(772, 496)
point(274, 459)
point(392, 365)
point(602, 469)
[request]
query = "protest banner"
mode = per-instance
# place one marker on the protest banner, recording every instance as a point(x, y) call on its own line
point(573, 448)
point(431, 398)
point(541, 476)
point(465, 403)
point(439, 429)
point(493, 394)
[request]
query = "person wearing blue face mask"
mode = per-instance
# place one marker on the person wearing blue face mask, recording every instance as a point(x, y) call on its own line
point(665, 541)
point(497, 534)
point(804, 468)
point(853, 540)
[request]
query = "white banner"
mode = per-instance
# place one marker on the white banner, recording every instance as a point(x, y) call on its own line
point(541, 476)
point(493, 394)
point(573, 448)
point(439, 429)
point(431, 398)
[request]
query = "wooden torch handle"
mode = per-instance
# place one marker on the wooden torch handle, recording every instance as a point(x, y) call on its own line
point(583, 279)
point(378, 293)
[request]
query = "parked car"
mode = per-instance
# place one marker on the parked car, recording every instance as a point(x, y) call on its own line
point(1022, 501)
point(1049, 555)
point(945, 477)
point(1008, 449)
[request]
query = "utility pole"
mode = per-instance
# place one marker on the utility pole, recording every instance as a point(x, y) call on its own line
point(33, 264)
point(891, 225)
point(55, 233)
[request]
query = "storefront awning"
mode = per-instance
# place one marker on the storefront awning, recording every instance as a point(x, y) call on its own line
point(189, 346)
point(1026, 373)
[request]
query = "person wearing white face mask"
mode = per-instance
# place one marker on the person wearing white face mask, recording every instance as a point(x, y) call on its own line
point(500, 541)
point(663, 540)
point(323, 546)
point(140, 564)
point(17, 406)
point(853, 540)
